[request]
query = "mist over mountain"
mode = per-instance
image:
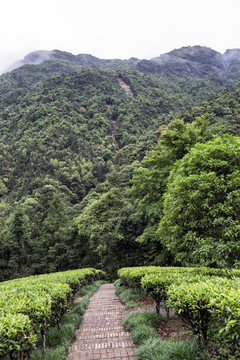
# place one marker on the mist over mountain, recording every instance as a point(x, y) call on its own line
point(193, 61)
point(33, 58)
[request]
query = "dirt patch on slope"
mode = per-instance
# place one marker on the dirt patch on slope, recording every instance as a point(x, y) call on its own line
point(174, 330)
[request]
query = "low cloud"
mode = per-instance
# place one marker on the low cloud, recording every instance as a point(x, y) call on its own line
point(34, 58)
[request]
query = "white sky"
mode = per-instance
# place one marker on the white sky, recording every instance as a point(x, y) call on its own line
point(116, 28)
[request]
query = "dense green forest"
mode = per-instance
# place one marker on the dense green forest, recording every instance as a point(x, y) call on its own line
point(86, 149)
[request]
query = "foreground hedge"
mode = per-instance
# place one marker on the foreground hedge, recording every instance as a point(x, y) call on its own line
point(29, 306)
point(199, 295)
point(132, 276)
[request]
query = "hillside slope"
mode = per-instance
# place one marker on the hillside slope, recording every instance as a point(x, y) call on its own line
point(71, 137)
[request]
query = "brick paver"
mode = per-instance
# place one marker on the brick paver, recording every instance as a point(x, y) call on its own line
point(101, 334)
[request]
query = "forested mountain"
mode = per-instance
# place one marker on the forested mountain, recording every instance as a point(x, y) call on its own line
point(74, 131)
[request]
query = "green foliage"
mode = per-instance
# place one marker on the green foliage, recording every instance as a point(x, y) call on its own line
point(149, 182)
point(59, 337)
point(143, 325)
point(30, 305)
point(193, 304)
point(12, 328)
point(59, 353)
point(55, 336)
point(222, 112)
point(106, 222)
point(129, 296)
point(156, 349)
point(155, 281)
point(206, 298)
point(142, 333)
point(18, 245)
point(200, 223)
point(147, 318)
point(59, 140)
point(210, 305)
point(132, 276)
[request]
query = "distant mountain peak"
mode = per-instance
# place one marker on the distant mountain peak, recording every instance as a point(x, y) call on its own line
point(195, 61)
point(232, 56)
point(34, 58)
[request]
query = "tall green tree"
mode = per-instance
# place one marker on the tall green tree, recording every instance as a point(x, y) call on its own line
point(201, 213)
point(106, 222)
point(150, 181)
point(48, 213)
point(17, 242)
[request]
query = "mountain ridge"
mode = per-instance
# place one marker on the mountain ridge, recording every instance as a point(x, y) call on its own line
point(195, 61)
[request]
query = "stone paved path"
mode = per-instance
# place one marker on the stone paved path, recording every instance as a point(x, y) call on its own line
point(101, 334)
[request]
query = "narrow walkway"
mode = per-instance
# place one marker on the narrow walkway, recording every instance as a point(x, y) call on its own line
point(101, 334)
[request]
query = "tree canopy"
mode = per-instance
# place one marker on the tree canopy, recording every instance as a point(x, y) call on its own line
point(149, 181)
point(201, 212)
